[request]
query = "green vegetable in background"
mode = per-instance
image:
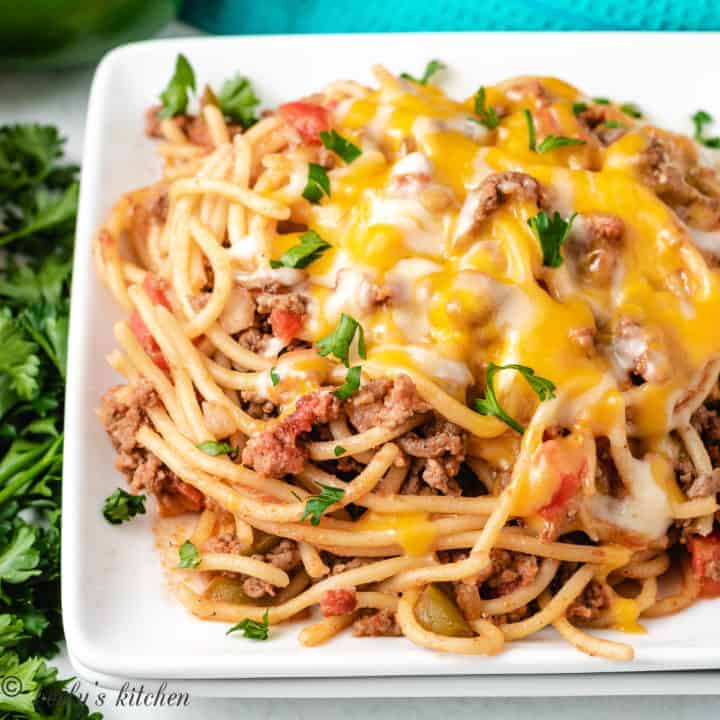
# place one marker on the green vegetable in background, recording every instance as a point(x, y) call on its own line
point(38, 201)
point(53, 33)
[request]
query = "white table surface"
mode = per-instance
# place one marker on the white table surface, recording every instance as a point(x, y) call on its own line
point(60, 98)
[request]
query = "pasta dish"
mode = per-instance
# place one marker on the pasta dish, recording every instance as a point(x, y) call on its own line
point(445, 369)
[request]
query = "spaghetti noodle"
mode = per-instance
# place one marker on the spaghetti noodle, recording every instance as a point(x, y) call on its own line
point(446, 370)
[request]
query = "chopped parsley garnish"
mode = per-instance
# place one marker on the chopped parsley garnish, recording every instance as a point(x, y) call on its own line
point(274, 377)
point(700, 119)
point(601, 101)
point(610, 124)
point(434, 66)
point(532, 140)
point(488, 116)
point(309, 249)
point(316, 505)
point(351, 384)
point(489, 405)
point(318, 183)
point(189, 555)
point(340, 146)
point(211, 447)
point(237, 101)
point(632, 110)
point(122, 506)
point(551, 142)
point(252, 629)
point(338, 342)
point(551, 234)
point(175, 96)
point(578, 108)
point(339, 450)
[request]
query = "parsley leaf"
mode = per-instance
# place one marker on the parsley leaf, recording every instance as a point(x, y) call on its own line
point(237, 101)
point(19, 362)
point(488, 116)
point(274, 377)
point(632, 110)
point(340, 146)
point(551, 234)
point(189, 555)
point(610, 124)
point(318, 183)
point(601, 100)
point(121, 506)
point(27, 154)
point(700, 119)
point(316, 505)
point(310, 248)
point(433, 67)
point(175, 96)
point(339, 450)
point(551, 142)
point(532, 140)
point(489, 405)
point(210, 447)
point(351, 384)
point(578, 108)
point(252, 629)
point(339, 340)
point(19, 558)
point(48, 210)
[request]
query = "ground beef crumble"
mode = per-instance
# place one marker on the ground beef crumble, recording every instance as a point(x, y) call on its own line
point(122, 414)
point(378, 624)
point(277, 451)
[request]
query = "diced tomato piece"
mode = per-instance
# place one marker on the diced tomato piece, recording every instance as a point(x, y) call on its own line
point(155, 292)
point(705, 550)
point(563, 457)
point(179, 498)
point(286, 325)
point(307, 118)
point(141, 332)
point(569, 485)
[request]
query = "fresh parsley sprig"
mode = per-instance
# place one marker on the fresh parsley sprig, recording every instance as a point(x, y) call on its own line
point(175, 96)
point(351, 384)
point(550, 142)
point(38, 202)
point(433, 67)
point(252, 629)
point(237, 100)
point(340, 146)
point(316, 505)
point(700, 119)
point(188, 555)
point(489, 405)
point(339, 340)
point(551, 234)
point(488, 116)
point(318, 183)
point(122, 506)
point(310, 247)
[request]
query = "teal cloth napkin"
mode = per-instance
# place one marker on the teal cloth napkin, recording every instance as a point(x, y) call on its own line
point(235, 17)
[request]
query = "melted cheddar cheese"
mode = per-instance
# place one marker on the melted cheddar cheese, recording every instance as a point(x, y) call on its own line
point(464, 289)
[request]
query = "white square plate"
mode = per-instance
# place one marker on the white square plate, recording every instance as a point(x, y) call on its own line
point(120, 619)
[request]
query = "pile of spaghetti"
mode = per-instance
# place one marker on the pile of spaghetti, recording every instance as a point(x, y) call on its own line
point(446, 369)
